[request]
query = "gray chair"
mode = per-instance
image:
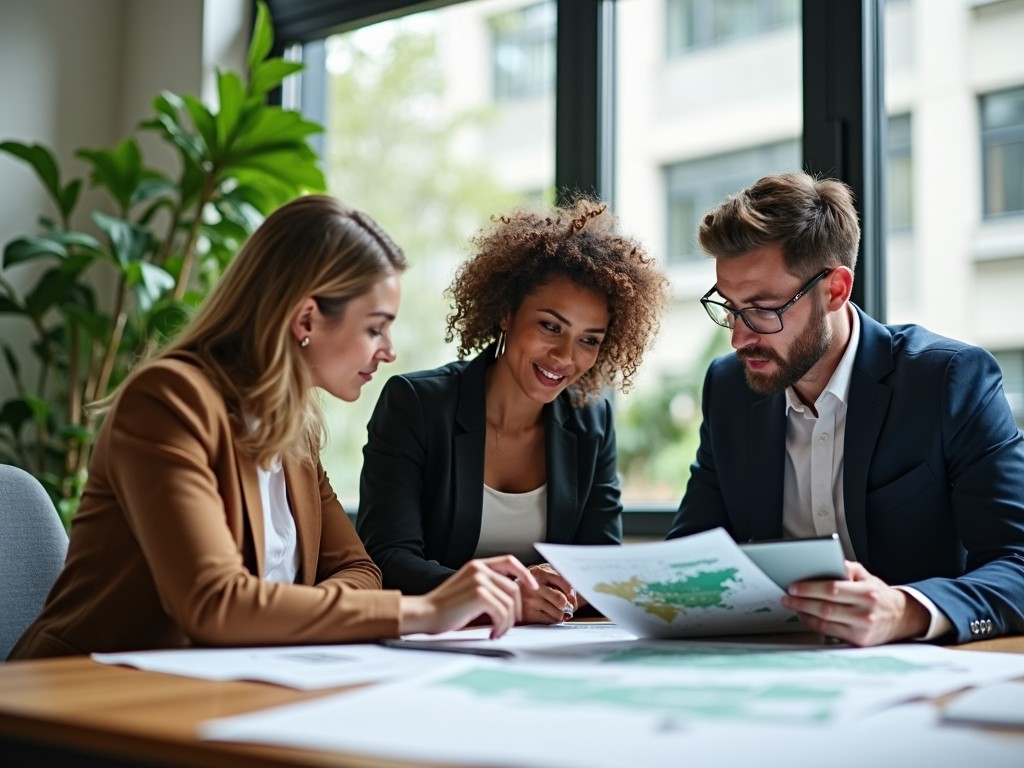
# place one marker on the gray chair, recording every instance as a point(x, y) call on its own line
point(33, 545)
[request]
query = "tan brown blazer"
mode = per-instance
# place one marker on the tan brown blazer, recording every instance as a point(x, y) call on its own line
point(166, 549)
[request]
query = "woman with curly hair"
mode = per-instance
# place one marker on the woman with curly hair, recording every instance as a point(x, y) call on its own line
point(489, 456)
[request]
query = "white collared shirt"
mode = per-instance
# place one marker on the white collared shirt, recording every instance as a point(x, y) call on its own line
point(280, 542)
point(812, 496)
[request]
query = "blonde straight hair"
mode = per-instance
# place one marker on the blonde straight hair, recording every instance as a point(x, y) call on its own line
point(314, 246)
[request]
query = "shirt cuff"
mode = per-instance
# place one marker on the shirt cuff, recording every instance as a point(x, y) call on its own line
point(939, 624)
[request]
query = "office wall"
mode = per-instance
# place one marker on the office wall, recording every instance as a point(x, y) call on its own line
point(82, 73)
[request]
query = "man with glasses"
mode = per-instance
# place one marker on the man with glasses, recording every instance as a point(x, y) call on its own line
point(825, 421)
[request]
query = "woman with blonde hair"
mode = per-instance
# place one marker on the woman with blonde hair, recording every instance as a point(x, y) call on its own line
point(207, 518)
point(486, 457)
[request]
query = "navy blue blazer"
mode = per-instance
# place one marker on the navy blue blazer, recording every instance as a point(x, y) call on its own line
point(421, 487)
point(933, 474)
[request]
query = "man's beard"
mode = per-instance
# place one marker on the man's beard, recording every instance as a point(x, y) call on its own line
point(805, 352)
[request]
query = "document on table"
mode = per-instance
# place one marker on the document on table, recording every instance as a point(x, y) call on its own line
point(305, 667)
point(694, 586)
point(566, 639)
point(663, 703)
point(998, 705)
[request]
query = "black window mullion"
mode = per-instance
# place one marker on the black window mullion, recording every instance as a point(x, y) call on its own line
point(844, 122)
point(583, 77)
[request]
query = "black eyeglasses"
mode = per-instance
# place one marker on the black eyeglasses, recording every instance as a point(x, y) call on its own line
point(757, 319)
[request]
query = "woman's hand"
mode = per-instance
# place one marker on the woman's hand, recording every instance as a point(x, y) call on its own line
point(492, 587)
point(555, 600)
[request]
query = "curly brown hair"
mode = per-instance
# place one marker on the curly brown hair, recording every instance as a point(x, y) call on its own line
point(525, 249)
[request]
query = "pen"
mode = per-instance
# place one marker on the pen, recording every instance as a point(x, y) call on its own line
point(434, 645)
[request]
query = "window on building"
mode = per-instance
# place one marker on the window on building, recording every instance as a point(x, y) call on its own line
point(523, 51)
point(899, 182)
point(695, 23)
point(1002, 141)
point(696, 185)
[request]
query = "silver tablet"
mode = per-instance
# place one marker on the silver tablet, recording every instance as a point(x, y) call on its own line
point(789, 560)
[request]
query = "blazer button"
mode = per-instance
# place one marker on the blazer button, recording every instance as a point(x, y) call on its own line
point(974, 628)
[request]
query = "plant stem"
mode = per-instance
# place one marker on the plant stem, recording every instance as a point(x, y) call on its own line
point(188, 256)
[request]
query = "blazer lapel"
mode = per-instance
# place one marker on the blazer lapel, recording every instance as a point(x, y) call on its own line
point(869, 400)
point(563, 482)
point(468, 461)
point(250, 483)
point(304, 500)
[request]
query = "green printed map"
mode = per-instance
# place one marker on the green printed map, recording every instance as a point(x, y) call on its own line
point(783, 702)
point(670, 598)
point(738, 660)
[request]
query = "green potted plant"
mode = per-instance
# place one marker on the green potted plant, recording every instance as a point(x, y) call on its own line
point(102, 298)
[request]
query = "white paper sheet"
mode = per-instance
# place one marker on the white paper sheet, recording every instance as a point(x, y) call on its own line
point(499, 713)
point(305, 667)
point(999, 705)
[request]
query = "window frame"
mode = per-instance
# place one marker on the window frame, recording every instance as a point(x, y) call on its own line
point(843, 114)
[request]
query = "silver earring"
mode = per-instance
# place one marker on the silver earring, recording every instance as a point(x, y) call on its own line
point(305, 342)
point(500, 349)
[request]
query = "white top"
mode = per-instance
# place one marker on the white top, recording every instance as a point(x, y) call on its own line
point(280, 542)
point(813, 501)
point(510, 523)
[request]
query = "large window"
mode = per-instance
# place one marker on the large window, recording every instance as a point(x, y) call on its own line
point(1002, 140)
point(439, 119)
point(417, 137)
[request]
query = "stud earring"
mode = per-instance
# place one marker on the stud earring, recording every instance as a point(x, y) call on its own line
point(305, 342)
point(500, 349)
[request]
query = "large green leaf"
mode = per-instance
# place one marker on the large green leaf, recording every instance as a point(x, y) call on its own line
point(56, 245)
point(274, 128)
point(168, 107)
point(153, 284)
point(128, 242)
point(231, 93)
point(262, 36)
point(41, 160)
point(281, 166)
point(118, 170)
point(268, 75)
point(53, 287)
point(167, 317)
point(205, 123)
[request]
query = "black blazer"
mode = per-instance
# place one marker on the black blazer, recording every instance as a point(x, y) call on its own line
point(421, 488)
point(933, 474)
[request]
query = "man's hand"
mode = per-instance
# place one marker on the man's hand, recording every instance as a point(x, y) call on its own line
point(863, 610)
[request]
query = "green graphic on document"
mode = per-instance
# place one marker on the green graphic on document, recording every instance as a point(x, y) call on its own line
point(735, 660)
point(687, 591)
point(784, 702)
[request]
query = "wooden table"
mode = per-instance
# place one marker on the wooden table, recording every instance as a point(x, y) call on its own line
point(74, 711)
